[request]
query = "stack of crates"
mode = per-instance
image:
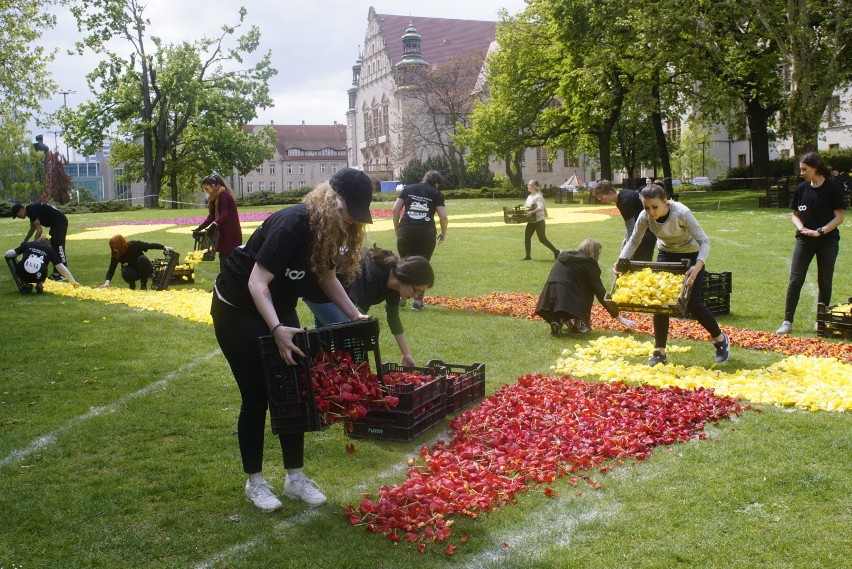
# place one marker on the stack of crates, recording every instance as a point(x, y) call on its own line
point(776, 196)
point(420, 408)
point(564, 196)
point(465, 383)
point(292, 407)
point(835, 321)
point(717, 292)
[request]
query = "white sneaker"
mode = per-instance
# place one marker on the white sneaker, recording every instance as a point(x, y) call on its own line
point(260, 494)
point(785, 328)
point(301, 488)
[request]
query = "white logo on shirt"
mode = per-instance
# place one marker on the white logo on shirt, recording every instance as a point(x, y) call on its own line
point(803, 208)
point(294, 275)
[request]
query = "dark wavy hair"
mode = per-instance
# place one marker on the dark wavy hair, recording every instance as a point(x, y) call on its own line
point(817, 162)
point(414, 270)
point(432, 177)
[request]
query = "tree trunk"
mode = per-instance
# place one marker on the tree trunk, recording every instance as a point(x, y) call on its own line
point(758, 118)
point(173, 184)
point(513, 169)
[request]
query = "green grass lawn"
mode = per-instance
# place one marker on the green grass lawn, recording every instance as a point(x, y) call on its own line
point(118, 444)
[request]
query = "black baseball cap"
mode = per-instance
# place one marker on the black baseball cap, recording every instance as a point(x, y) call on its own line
point(356, 189)
point(15, 209)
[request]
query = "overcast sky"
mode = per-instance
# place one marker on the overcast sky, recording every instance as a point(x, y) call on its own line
point(314, 44)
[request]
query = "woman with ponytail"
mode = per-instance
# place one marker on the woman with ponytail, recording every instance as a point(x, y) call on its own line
point(223, 217)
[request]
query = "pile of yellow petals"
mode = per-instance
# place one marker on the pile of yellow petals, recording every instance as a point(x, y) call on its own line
point(801, 381)
point(193, 258)
point(190, 304)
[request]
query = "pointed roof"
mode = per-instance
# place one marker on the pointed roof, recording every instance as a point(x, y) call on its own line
point(574, 181)
point(443, 38)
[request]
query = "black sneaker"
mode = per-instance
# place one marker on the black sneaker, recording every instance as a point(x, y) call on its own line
point(527, 259)
point(658, 358)
point(57, 277)
point(556, 329)
point(723, 351)
point(39, 288)
point(417, 305)
point(583, 328)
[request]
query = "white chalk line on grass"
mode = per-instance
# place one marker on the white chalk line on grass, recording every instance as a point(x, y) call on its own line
point(50, 438)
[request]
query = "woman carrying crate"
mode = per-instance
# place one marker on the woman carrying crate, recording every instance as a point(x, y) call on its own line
point(679, 237)
point(222, 218)
point(135, 265)
point(297, 251)
point(537, 212)
point(382, 277)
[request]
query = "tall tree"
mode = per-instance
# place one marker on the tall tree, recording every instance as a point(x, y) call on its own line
point(815, 39)
point(156, 93)
point(21, 167)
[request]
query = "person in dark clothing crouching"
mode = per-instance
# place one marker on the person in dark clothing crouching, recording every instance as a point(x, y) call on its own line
point(135, 265)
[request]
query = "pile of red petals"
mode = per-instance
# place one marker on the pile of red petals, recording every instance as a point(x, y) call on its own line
point(522, 305)
point(345, 390)
point(527, 435)
point(407, 378)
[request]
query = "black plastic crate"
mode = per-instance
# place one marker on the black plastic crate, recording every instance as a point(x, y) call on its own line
point(718, 305)
point(832, 323)
point(390, 426)
point(412, 397)
point(465, 383)
point(292, 407)
point(22, 286)
point(183, 274)
point(517, 214)
point(717, 284)
point(564, 196)
point(678, 308)
point(205, 241)
point(164, 268)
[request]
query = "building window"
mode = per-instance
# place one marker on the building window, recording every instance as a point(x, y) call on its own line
point(673, 129)
point(301, 168)
point(834, 146)
point(249, 187)
point(592, 175)
point(260, 170)
point(289, 168)
point(741, 160)
point(272, 168)
point(333, 168)
point(785, 153)
point(302, 184)
point(289, 185)
point(542, 159)
point(323, 168)
point(568, 161)
point(271, 186)
point(260, 187)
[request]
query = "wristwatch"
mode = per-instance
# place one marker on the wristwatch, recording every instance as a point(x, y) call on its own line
point(821, 230)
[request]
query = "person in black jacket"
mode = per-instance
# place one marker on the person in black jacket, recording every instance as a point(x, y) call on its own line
point(574, 281)
point(43, 215)
point(629, 204)
point(135, 266)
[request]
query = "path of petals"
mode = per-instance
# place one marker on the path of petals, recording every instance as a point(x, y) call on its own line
point(802, 381)
point(522, 305)
point(191, 304)
point(527, 435)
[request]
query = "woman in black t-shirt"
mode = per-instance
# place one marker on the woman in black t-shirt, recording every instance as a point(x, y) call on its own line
point(817, 206)
point(135, 265)
point(297, 251)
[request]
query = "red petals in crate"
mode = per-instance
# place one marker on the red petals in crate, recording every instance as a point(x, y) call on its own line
point(344, 389)
point(526, 436)
point(404, 377)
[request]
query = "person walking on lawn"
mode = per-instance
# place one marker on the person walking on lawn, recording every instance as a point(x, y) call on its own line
point(537, 213)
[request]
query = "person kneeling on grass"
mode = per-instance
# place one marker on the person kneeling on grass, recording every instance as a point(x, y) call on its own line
point(679, 237)
point(382, 277)
point(574, 281)
point(135, 266)
point(32, 268)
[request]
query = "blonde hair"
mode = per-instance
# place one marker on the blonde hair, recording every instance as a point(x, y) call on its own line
point(333, 246)
point(534, 183)
point(591, 247)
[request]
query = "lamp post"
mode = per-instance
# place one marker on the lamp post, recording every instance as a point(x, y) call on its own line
point(704, 144)
point(65, 94)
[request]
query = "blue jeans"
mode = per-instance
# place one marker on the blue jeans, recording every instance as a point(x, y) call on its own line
point(806, 248)
point(325, 313)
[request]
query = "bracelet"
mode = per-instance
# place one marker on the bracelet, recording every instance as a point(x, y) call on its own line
point(280, 324)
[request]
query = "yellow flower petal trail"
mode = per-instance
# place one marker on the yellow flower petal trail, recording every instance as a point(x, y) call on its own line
point(801, 381)
point(191, 304)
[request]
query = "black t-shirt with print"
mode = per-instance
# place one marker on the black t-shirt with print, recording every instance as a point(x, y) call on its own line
point(815, 206)
point(46, 215)
point(282, 244)
point(32, 267)
point(421, 201)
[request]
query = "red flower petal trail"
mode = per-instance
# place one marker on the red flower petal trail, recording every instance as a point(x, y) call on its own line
point(522, 305)
point(527, 435)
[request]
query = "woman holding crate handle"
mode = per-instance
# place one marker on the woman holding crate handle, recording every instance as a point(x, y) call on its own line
point(679, 237)
point(298, 250)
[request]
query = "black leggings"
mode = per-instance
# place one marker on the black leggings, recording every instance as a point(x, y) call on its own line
point(696, 303)
point(806, 248)
point(237, 332)
point(537, 227)
point(141, 272)
point(57, 241)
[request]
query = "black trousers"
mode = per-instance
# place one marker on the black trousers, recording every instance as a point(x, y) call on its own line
point(237, 332)
point(141, 272)
point(806, 248)
point(57, 241)
point(696, 303)
point(537, 227)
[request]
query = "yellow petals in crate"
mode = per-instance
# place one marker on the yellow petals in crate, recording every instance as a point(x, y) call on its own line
point(647, 288)
point(844, 308)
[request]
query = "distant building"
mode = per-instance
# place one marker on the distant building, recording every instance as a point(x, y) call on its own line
point(304, 156)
